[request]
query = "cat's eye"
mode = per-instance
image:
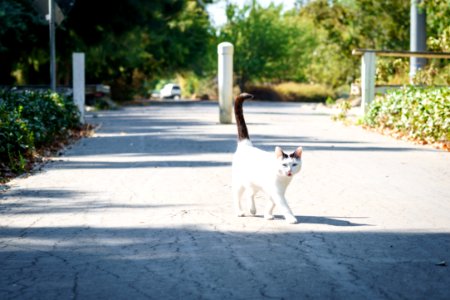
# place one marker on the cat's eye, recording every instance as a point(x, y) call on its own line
point(285, 165)
point(294, 165)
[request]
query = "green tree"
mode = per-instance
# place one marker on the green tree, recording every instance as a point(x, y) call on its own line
point(269, 46)
point(349, 24)
point(126, 41)
point(20, 38)
point(438, 24)
point(163, 37)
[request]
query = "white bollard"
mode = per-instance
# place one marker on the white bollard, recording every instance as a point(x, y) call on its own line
point(78, 82)
point(225, 77)
point(368, 61)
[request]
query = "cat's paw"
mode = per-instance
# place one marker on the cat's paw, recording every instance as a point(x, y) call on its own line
point(253, 211)
point(269, 217)
point(291, 220)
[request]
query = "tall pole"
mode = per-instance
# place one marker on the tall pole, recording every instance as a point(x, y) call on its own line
point(225, 78)
point(418, 37)
point(78, 87)
point(51, 15)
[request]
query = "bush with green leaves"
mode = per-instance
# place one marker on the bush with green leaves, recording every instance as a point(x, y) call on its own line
point(31, 120)
point(420, 113)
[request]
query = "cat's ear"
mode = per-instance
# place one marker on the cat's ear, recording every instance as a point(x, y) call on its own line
point(298, 152)
point(279, 153)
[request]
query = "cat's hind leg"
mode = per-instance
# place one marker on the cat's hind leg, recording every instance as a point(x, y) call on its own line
point(238, 191)
point(251, 199)
point(268, 214)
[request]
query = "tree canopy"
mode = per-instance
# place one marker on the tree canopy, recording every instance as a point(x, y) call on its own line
point(123, 40)
point(270, 46)
point(130, 43)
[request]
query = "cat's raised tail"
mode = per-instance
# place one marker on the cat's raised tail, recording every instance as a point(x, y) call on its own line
point(239, 114)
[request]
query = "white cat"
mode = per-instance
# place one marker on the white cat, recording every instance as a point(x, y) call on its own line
point(257, 170)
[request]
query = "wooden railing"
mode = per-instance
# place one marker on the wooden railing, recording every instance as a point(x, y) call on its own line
point(368, 63)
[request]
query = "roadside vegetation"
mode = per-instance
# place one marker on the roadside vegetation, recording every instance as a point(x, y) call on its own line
point(31, 124)
point(416, 113)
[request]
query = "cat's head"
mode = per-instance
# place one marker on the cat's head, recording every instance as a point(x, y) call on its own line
point(288, 164)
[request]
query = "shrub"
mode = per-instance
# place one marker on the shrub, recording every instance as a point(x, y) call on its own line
point(292, 91)
point(31, 120)
point(266, 93)
point(419, 113)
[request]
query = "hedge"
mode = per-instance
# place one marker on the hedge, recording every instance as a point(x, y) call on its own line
point(419, 113)
point(30, 121)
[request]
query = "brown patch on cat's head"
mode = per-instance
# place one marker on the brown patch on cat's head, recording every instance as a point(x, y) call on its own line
point(297, 153)
point(279, 153)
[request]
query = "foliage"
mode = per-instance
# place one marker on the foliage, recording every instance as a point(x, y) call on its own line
point(20, 29)
point(197, 87)
point(346, 25)
point(437, 71)
point(127, 42)
point(292, 91)
point(130, 44)
point(268, 45)
point(31, 120)
point(438, 24)
point(419, 113)
point(392, 71)
point(344, 107)
point(434, 73)
point(164, 37)
point(396, 72)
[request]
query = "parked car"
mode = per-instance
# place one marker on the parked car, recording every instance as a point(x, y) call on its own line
point(170, 91)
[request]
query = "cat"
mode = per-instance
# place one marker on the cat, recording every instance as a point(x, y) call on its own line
point(256, 170)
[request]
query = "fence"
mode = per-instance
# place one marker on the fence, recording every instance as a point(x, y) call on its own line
point(368, 64)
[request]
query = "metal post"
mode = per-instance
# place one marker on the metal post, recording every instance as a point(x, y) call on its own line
point(368, 61)
point(51, 15)
point(418, 37)
point(78, 77)
point(225, 77)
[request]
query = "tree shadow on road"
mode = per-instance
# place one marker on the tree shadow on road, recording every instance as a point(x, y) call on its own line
point(151, 132)
point(191, 263)
point(58, 201)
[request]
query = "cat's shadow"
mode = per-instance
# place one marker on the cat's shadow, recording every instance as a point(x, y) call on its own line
point(331, 221)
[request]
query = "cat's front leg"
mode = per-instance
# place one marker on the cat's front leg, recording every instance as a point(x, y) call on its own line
point(280, 200)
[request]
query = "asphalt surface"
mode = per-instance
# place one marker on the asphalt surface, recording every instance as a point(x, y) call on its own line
point(143, 210)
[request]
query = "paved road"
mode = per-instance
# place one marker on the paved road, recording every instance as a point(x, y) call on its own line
point(143, 210)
